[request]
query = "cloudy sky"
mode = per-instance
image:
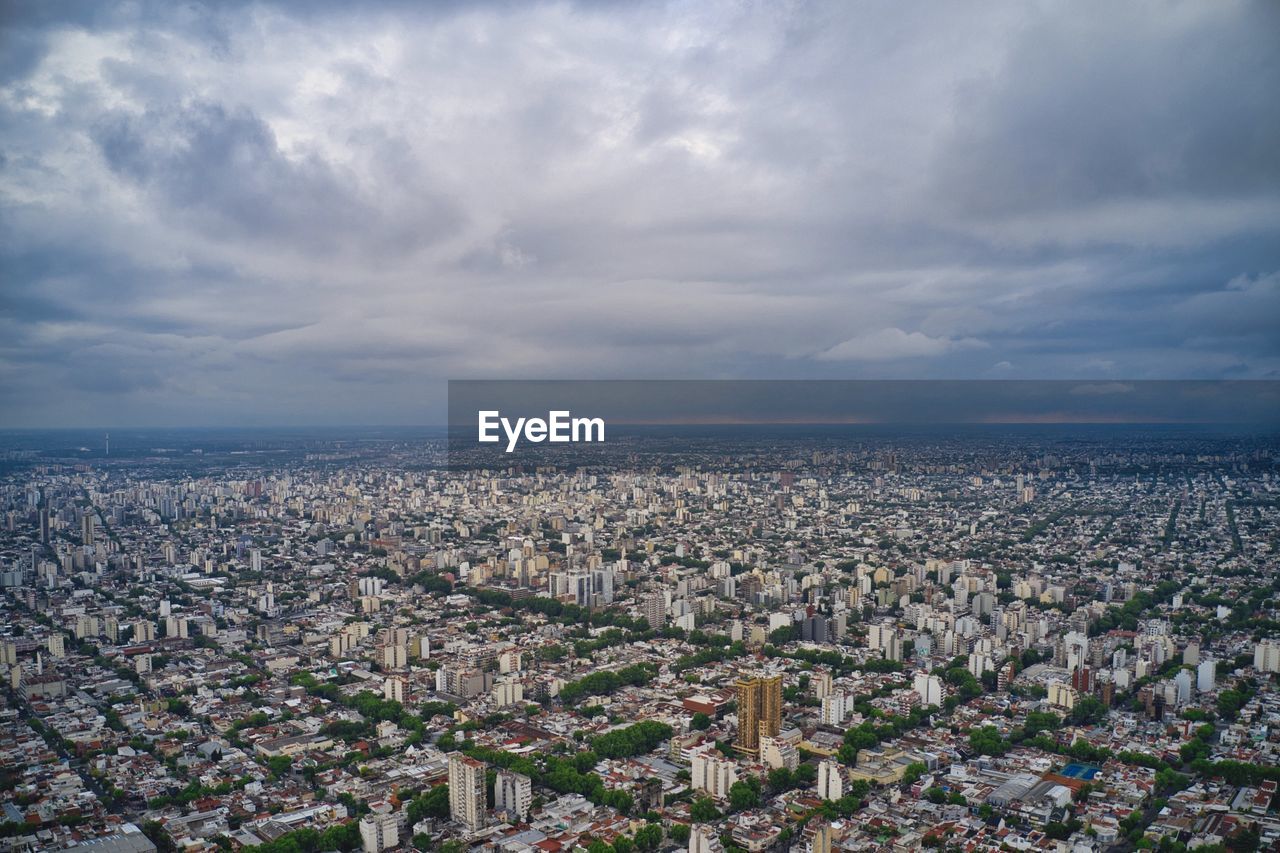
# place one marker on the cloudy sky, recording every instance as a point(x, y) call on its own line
point(307, 213)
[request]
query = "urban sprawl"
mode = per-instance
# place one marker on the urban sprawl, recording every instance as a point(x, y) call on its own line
point(996, 640)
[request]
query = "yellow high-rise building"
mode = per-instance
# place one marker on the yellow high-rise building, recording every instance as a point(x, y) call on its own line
point(759, 711)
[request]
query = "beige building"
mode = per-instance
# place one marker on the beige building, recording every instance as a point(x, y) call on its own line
point(466, 791)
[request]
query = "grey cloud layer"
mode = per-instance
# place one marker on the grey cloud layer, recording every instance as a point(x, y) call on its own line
point(276, 213)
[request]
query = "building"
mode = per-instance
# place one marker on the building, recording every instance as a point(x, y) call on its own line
point(395, 689)
point(821, 839)
point(1206, 676)
point(713, 774)
point(1266, 656)
point(512, 795)
point(929, 689)
point(703, 839)
point(777, 752)
point(1181, 688)
point(759, 711)
point(508, 691)
point(466, 790)
point(379, 832)
point(128, 840)
point(1062, 695)
point(653, 608)
point(830, 783)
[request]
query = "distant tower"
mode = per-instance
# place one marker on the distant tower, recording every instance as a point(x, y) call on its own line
point(108, 444)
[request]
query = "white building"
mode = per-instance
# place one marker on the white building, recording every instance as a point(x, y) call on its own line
point(929, 689)
point(508, 691)
point(512, 795)
point(1182, 687)
point(830, 783)
point(713, 774)
point(394, 689)
point(379, 832)
point(1206, 676)
point(1266, 656)
point(703, 839)
point(776, 752)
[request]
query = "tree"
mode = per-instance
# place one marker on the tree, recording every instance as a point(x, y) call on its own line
point(633, 740)
point(1230, 702)
point(701, 721)
point(1193, 750)
point(279, 765)
point(1249, 838)
point(1040, 721)
point(743, 795)
point(1087, 711)
point(648, 837)
point(781, 779)
point(434, 803)
point(913, 773)
point(679, 833)
point(987, 741)
point(704, 811)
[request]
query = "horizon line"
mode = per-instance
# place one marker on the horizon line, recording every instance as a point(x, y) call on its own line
point(1011, 421)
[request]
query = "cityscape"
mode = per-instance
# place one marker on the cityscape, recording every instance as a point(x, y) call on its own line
point(663, 426)
point(1003, 638)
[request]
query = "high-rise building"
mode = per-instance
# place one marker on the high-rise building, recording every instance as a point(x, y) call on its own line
point(395, 689)
point(466, 790)
point(379, 832)
point(654, 609)
point(759, 711)
point(1266, 656)
point(821, 838)
point(713, 774)
point(835, 708)
point(1206, 676)
point(703, 839)
point(778, 752)
point(1181, 688)
point(929, 689)
point(830, 783)
point(512, 795)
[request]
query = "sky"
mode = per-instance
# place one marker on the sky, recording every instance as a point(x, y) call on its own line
point(316, 213)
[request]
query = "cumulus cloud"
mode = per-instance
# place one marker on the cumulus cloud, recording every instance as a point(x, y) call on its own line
point(275, 212)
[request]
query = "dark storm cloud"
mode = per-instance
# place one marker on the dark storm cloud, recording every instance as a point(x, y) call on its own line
point(1146, 101)
point(291, 212)
point(225, 166)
